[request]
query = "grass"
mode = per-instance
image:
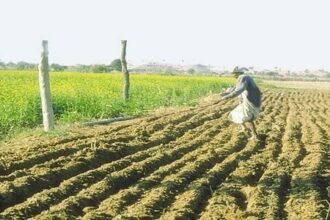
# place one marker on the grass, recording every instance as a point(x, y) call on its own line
point(82, 97)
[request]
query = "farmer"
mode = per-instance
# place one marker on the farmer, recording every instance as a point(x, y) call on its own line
point(249, 101)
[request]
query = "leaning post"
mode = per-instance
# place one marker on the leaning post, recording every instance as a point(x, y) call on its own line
point(45, 93)
point(125, 70)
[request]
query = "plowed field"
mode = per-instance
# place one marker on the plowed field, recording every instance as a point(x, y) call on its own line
point(188, 164)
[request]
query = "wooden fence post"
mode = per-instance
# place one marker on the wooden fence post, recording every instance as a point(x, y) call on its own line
point(124, 70)
point(45, 94)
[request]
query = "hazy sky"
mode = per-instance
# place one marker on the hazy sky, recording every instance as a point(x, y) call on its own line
point(263, 33)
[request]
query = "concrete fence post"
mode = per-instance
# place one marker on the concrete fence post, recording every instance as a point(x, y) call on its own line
point(125, 70)
point(45, 93)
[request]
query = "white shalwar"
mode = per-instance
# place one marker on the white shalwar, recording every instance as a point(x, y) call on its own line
point(245, 111)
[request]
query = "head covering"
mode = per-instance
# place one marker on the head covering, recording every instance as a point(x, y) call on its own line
point(239, 70)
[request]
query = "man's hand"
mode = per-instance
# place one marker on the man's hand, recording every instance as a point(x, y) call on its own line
point(226, 92)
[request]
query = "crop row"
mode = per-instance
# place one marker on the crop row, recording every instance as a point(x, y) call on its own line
point(232, 199)
point(191, 135)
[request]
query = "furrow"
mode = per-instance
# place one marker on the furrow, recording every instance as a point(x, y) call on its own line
point(231, 199)
point(65, 150)
point(188, 204)
point(192, 133)
point(305, 192)
point(122, 179)
point(167, 135)
point(267, 198)
point(154, 201)
point(115, 204)
point(68, 156)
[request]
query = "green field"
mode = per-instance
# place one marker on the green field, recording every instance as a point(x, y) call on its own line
point(82, 97)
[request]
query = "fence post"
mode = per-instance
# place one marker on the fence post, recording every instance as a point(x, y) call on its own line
point(124, 70)
point(45, 94)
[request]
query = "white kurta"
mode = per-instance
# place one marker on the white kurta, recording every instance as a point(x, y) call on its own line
point(245, 111)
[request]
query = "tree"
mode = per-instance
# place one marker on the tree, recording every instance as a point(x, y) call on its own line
point(2, 65)
point(23, 65)
point(81, 68)
point(116, 65)
point(271, 73)
point(191, 71)
point(57, 67)
point(11, 65)
point(97, 68)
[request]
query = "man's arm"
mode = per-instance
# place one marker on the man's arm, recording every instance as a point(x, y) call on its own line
point(240, 87)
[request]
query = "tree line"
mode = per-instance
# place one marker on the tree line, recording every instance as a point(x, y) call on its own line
point(115, 65)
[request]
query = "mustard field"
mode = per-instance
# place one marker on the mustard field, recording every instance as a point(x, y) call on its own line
point(87, 96)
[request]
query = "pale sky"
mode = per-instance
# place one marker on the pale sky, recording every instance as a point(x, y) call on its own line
point(291, 34)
